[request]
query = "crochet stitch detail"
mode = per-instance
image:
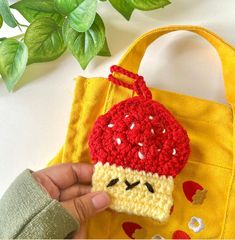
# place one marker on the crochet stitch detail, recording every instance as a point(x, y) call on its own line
point(138, 200)
point(148, 139)
point(138, 147)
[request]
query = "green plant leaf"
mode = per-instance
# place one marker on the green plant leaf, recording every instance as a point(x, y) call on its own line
point(85, 45)
point(149, 4)
point(44, 40)
point(124, 7)
point(6, 14)
point(105, 52)
point(33, 9)
point(1, 21)
point(66, 6)
point(13, 60)
point(82, 17)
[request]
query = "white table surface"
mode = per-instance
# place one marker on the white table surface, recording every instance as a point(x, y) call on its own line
point(33, 119)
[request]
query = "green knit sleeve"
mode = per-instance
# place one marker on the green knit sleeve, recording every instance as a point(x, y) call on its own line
point(27, 211)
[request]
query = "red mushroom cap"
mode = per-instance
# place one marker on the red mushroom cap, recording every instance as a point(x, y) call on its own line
point(140, 134)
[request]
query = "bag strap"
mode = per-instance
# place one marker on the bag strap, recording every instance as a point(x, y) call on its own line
point(132, 58)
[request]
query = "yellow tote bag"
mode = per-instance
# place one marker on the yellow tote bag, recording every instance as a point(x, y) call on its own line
point(204, 192)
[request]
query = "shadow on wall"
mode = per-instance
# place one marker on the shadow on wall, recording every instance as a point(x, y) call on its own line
point(173, 63)
point(121, 33)
point(179, 11)
point(37, 70)
point(185, 12)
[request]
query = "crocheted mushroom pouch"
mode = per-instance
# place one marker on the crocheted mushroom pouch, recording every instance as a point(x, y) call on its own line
point(138, 148)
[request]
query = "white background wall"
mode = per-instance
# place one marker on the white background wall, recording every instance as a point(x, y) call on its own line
point(33, 120)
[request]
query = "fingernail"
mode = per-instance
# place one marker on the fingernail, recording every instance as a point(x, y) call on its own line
point(101, 200)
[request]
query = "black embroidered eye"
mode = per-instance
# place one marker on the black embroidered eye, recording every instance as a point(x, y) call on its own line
point(131, 185)
point(150, 187)
point(112, 182)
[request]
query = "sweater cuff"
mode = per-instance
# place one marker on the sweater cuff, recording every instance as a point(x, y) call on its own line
point(27, 211)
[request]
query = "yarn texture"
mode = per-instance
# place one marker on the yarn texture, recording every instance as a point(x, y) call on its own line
point(138, 147)
point(137, 200)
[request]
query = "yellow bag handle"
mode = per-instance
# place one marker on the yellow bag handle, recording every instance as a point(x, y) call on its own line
point(132, 58)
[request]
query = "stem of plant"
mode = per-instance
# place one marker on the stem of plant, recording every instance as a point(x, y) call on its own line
point(20, 37)
point(22, 25)
point(17, 36)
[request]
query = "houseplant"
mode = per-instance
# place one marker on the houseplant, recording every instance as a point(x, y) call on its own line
point(57, 25)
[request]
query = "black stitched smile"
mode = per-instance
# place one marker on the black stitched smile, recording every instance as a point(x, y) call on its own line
point(130, 185)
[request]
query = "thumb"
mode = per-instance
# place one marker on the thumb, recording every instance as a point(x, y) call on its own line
point(87, 205)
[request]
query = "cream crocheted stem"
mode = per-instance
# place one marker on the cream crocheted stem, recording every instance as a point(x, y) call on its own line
point(138, 200)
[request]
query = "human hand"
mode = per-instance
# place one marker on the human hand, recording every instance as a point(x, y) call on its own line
point(70, 184)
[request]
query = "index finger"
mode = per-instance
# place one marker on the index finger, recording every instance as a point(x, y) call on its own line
point(67, 174)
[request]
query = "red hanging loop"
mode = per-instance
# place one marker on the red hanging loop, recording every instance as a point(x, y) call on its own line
point(139, 85)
